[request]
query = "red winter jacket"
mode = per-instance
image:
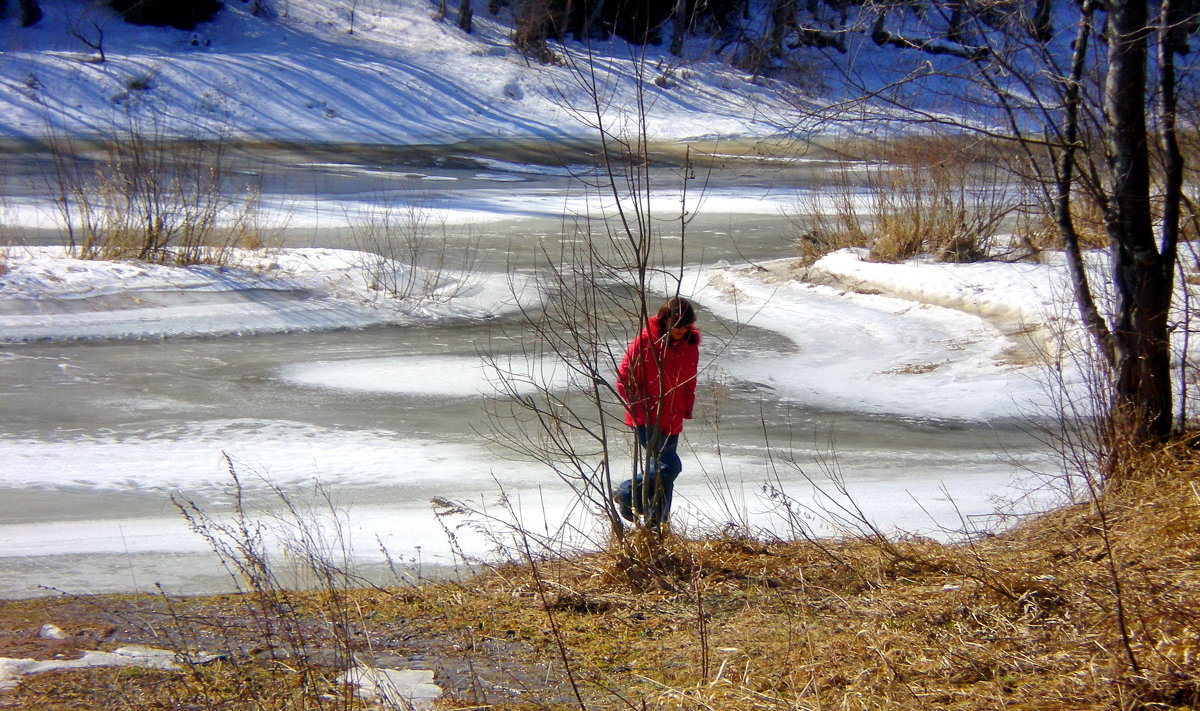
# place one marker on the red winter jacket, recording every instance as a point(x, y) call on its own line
point(657, 378)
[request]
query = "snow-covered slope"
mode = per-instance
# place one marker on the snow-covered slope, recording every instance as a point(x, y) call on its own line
point(399, 78)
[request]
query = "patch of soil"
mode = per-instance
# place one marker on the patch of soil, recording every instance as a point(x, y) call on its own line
point(85, 626)
point(468, 666)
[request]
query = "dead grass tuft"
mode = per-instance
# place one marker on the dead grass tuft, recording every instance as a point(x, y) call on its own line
point(1039, 231)
point(140, 194)
point(941, 197)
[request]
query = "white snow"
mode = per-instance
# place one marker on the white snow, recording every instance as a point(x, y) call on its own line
point(918, 339)
point(397, 689)
point(464, 376)
point(129, 656)
point(277, 451)
point(913, 340)
point(47, 295)
point(399, 78)
point(390, 688)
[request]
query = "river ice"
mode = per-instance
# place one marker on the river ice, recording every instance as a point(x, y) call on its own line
point(889, 356)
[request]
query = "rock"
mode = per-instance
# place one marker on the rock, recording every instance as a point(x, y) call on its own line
point(51, 632)
point(394, 688)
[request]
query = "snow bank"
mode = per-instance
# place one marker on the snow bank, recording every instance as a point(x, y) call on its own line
point(1017, 293)
point(48, 295)
point(923, 339)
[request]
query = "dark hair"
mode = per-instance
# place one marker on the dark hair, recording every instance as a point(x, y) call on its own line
point(675, 313)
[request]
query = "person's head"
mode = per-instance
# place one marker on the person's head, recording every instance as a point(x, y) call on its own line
point(676, 317)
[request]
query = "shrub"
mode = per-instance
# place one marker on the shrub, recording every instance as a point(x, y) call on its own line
point(1037, 230)
point(151, 197)
point(823, 231)
point(407, 256)
point(921, 199)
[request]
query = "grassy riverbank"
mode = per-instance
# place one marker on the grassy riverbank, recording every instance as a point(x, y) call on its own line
point(1090, 606)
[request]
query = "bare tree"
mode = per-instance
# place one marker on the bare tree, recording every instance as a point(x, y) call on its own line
point(93, 38)
point(95, 41)
point(1089, 95)
point(599, 280)
point(465, 16)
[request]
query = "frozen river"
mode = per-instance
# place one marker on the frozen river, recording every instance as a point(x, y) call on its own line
point(96, 436)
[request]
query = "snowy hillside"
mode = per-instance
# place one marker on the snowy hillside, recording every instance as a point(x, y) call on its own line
point(399, 78)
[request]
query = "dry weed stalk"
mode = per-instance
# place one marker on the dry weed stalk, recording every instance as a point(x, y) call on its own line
point(297, 594)
point(409, 257)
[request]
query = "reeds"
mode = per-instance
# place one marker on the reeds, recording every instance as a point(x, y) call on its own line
point(917, 197)
point(141, 193)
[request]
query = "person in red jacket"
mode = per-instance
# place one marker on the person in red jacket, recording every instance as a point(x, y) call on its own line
point(657, 381)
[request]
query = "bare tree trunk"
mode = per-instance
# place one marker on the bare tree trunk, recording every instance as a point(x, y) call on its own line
point(681, 22)
point(31, 12)
point(1043, 20)
point(1142, 277)
point(1064, 183)
point(782, 18)
point(1171, 38)
point(954, 31)
point(465, 15)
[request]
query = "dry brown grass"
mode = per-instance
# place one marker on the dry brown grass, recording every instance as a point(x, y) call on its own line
point(936, 196)
point(140, 194)
point(1040, 232)
point(1026, 619)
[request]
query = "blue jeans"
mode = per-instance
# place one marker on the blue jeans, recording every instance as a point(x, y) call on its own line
point(651, 495)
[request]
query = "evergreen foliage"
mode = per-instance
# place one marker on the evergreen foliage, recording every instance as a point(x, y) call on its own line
point(636, 21)
point(30, 11)
point(180, 14)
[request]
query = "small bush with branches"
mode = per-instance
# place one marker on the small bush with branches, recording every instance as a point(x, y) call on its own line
point(149, 196)
point(409, 256)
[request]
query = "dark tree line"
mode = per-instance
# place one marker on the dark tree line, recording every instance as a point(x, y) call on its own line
point(180, 14)
point(29, 10)
point(636, 21)
point(775, 27)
